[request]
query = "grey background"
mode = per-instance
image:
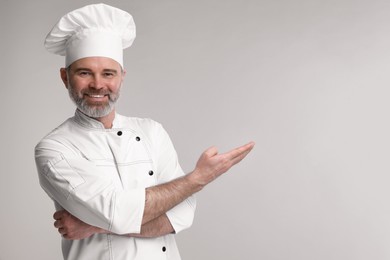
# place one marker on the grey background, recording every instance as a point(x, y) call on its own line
point(308, 80)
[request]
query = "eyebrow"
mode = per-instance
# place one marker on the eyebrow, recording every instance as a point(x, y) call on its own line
point(80, 69)
point(111, 70)
point(104, 70)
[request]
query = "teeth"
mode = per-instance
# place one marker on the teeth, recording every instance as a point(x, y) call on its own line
point(96, 96)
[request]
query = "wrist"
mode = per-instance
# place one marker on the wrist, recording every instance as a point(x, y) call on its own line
point(195, 181)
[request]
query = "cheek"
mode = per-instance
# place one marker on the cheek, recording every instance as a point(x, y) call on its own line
point(77, 86)
point(115, 88)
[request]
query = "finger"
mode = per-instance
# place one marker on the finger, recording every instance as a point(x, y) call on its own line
point(61, 231)
point(57, 224)
point(240, 157)
point(69, 237)
point(237, 152)
point(58, 214)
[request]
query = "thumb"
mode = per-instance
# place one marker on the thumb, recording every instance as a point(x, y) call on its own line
point(210, 152)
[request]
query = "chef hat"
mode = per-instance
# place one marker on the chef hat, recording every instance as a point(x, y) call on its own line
point(97, 30)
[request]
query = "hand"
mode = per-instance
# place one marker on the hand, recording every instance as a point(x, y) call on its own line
point(73, 228)
point(211, 164)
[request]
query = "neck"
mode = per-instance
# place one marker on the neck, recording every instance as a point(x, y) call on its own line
point(107, 120)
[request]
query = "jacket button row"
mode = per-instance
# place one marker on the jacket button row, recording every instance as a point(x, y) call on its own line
point(119, 133)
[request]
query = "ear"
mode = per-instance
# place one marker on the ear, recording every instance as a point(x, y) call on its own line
point(64, 76)
point(123, 75)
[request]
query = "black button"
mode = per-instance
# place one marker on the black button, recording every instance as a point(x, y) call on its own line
point(138, 138)
point(151, 173)
point(119, 133)
point(164, 249)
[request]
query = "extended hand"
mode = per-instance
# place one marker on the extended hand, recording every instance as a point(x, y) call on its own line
point(71, 227)
point(211, 164)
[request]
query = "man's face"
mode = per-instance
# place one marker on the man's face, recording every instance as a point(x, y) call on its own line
point(94, 84)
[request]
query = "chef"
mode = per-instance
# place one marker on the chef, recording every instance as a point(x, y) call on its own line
point(117, 186)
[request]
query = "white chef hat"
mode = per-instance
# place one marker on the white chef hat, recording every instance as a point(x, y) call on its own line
point(97, 30)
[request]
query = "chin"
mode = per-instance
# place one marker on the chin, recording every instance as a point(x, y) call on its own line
point(96, 112)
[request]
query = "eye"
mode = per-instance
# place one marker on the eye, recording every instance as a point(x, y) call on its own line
point(108, 74)
point(84, 73)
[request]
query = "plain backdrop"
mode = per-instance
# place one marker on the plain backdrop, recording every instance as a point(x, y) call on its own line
point(307, 80)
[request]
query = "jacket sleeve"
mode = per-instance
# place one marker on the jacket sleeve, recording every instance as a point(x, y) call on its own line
point(85, 191)
point(181, 216)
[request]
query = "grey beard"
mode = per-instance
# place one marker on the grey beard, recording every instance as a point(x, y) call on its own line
point(93, 111)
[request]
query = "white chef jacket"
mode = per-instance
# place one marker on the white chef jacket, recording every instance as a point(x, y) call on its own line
point(99, 175)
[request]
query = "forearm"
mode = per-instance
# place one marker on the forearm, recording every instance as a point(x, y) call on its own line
point(72, 228)
point(157, 227)
point(163, 197)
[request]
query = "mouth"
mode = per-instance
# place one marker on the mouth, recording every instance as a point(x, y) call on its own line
point(96, 97)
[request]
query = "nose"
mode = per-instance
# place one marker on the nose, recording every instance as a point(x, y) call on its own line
point(96, 82)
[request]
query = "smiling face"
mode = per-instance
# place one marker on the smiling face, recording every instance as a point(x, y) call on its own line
point(94, 84)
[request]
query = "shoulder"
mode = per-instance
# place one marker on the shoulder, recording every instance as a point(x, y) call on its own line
point(54, 137)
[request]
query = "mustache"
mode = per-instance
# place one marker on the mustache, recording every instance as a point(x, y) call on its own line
point(96, 92)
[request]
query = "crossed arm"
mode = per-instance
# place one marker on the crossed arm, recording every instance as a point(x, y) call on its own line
point(163, 197)
point(73, 228)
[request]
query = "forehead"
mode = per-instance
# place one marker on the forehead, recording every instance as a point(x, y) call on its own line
point(96, 63)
